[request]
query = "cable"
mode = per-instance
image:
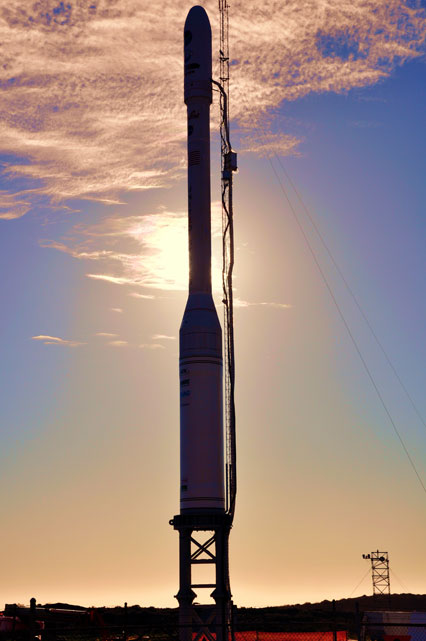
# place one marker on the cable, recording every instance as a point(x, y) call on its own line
point(399, 581)
point(228, 261)
point(358, 584)
point(370, 376)
point(354, 298)
point(227, 272)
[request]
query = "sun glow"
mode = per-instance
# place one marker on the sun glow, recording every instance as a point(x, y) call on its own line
point(163, 263)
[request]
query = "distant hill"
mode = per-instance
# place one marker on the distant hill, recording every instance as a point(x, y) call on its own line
point(403, 602)
point(345, 614)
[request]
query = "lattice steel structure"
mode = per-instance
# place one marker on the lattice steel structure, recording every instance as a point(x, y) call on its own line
point(229, 165)
point(379, 571)
point(213, 623)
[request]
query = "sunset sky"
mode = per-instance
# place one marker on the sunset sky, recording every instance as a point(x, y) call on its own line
point(93, 251)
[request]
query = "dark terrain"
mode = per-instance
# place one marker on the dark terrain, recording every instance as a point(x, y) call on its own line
point(345, 614)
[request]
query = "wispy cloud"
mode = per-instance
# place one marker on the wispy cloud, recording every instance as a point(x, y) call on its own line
point(239, 303)
point(114, 95)
point(55, 340)
point(12, 206)
point(106, 334)
point(148, 251)
point(117, 280)
point(117, 310)
point(118, 343)
point(264, 143)
point(151, 346)
point(77, 253)
point(145, 296)
point(163, 337)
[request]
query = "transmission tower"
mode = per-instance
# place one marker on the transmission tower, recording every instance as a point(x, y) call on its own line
point(379, 571)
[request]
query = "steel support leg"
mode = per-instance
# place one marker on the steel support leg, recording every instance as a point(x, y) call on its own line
point(217, 627)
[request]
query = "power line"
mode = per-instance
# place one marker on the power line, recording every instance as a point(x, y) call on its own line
point(358, 584)
point(363, 361)
point(399, 581)
point(348, 287)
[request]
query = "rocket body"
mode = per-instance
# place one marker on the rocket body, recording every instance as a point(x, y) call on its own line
point(200, 352)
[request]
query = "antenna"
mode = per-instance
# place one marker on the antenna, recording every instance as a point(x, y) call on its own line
point(379, 571)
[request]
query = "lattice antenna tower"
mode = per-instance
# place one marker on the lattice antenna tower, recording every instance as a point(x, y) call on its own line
point(228, 166)
point(379, 571)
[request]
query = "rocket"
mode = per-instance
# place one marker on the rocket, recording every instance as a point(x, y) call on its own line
point(200, 340)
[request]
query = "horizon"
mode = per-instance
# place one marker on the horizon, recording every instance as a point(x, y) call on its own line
point(284, 605)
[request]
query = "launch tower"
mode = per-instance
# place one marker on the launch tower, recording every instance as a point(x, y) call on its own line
point(208, 481)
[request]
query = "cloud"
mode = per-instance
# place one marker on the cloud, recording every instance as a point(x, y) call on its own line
point(146, 296)
point(75, 253)
point(265, 143)
point(118, 343)
point(92, 109)
point(117, 310)
point(151, 346)
point(55, 340)
point(149, 251)
point(117, 280)
point(11, 206)
point(238, 303)
point(106, 334)
point(163, 337)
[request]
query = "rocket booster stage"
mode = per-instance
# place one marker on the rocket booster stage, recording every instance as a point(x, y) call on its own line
point(201, 420)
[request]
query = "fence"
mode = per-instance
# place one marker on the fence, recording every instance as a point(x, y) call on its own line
point(86, 630)
point(393, 626)
point(135, 633)
point(249, 624)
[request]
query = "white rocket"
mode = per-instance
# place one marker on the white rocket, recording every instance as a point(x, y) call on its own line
point(201, 416)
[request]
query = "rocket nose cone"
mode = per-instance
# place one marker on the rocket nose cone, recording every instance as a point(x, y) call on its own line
point(198, 20)
point(198, 54)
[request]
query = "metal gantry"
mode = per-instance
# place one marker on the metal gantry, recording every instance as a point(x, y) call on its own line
point(379, 571)
point(228, 166)
point(206, 622)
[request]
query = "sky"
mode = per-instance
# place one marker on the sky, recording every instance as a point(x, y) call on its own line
point(326, 95)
